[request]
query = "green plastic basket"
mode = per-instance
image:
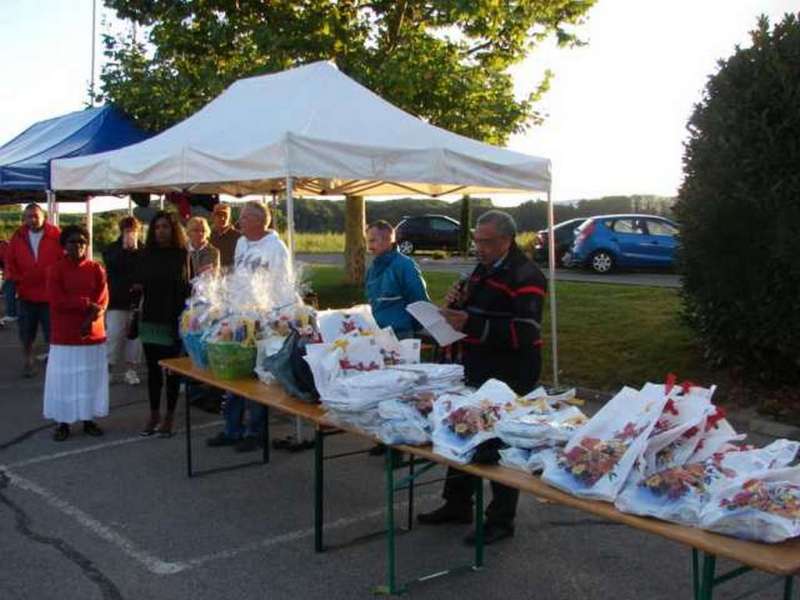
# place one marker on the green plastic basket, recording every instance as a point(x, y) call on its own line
point(231, 360)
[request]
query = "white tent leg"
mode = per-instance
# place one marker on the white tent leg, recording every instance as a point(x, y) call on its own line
point(298, 425)
point(89, 225)
point(49, 195)
point(551, 251)
point(161, 202)
point(290, 217)
point(130, 206)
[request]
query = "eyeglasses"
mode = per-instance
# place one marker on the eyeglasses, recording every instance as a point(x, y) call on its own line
point(485, 241)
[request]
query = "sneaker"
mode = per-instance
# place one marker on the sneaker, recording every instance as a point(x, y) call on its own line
point(492, 532)
point(220, 440)
point(132, 378)
point(61, 433)
point(248, 444)
point(91, 428)
point(447, 513)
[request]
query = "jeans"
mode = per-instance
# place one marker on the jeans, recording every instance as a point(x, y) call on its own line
point(233, 413)
point(31, 316)
point(10, 296)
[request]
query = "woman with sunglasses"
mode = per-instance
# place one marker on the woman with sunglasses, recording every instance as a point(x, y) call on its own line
point(76, 382)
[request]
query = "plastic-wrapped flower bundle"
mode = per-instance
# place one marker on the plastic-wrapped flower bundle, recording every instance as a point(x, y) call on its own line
point(548, 421)
point(597, 460)
point(462, 423)
point(680, 493)
point(763, 506)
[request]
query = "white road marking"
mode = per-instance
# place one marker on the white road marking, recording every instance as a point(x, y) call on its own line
point(158, 566)
point(67, 453)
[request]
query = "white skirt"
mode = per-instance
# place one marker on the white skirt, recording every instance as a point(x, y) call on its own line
point(76, 383)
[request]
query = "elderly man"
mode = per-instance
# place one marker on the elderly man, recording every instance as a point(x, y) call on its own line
point(393, 281)
point(223, 234)
point(500, 310)
point(257, 248)
point(33, 249)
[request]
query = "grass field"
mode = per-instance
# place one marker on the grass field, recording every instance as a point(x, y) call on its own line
point(609, 335)
point(334, 242)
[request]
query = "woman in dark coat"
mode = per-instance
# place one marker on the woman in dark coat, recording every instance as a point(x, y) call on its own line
point(162, 275)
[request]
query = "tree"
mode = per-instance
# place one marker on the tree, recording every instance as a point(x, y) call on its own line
point(445, 61)
point(739, 208)
point(355, 243)
point(464, 234)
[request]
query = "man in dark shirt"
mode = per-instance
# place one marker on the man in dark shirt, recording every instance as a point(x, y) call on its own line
point(223, 234)
point(500, 311)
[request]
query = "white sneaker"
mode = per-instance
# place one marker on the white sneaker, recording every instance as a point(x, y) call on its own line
point(7, 320)
point(131, 378)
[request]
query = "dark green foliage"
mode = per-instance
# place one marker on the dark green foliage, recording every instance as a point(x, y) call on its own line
point(466, 222)
point(739, 208)
point(443, 60)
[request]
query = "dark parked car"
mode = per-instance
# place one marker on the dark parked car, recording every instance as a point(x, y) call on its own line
point(565, 235)
point(608, 241)
point(428, 232)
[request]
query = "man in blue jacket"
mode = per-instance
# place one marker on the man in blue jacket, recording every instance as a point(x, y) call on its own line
point(393, 281)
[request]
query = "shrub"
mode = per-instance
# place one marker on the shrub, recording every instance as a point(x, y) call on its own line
point(739, 208)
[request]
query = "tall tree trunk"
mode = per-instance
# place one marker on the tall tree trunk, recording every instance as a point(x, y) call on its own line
point(355, 243)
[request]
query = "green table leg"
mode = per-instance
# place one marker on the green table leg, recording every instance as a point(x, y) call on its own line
point(695, 574)
point(410, 492)
point(478, 523)
point(788, 587)
point(707, 580)
point(319, 489)
point(391, 564)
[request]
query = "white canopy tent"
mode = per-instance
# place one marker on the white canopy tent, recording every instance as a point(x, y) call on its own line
point(309, 131)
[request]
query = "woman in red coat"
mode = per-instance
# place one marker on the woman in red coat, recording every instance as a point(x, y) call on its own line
point(76, 383)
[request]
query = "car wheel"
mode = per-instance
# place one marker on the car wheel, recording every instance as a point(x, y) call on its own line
point(406, 247)
point(602, 262)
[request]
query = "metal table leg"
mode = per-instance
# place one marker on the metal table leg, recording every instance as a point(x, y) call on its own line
point(189, 470)
point(319, 489)
point(479, 539)
point(265, 436)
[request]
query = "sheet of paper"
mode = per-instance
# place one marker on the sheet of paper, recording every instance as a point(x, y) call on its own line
point(429, 317)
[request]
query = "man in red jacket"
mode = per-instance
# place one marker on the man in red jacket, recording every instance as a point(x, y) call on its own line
point(34, 247)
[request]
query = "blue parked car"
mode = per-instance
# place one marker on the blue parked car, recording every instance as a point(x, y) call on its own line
point(605, 242)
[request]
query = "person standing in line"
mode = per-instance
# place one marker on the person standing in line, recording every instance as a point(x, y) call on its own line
point(162, 276)
point(120, 259)
point(76, 380)
point(202, 255)
point(33, 249)
point(500, 311)
point(393, 281)
point(9, 290)
point(223, 234)
point(258, 248)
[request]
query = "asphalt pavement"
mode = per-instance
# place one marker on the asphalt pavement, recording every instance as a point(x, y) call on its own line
point(116, 518)
point(459, 265)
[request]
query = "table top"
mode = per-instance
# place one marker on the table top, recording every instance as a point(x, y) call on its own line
point(781, 559)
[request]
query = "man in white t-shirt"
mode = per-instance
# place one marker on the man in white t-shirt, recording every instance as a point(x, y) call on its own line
point(257, 248)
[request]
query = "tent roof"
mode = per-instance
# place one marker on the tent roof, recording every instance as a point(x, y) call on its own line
point(25, 160)
point(312, 123)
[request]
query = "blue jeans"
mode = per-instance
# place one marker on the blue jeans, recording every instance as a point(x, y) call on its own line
point(10, 296)
point(233, 413)
point(31, 316)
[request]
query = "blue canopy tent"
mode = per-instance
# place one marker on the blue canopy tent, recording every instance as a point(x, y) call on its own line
point(25, 160)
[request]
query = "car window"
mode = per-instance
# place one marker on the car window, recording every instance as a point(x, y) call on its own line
point(442, 225)
point(632, 226)
point(661, 228)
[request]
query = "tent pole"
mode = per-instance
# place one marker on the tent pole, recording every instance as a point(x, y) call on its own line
point(290, 216)
point(130, 206)
point(89, 225)
point(49, 195)
point(551, 251)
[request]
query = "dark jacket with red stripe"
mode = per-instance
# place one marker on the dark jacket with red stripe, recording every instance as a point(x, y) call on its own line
point(503, 340)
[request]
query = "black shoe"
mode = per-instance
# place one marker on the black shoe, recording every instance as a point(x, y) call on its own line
point(377, 450)
point(220, 440)
point(61, 433)
point(446, 513)
point(492, 532)
point(248, 444)
point(91, 428)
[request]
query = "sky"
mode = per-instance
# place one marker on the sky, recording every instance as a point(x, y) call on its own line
point(616, 110)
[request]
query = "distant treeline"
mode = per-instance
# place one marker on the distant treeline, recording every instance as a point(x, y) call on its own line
point(317, 216)
point(312, 215)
